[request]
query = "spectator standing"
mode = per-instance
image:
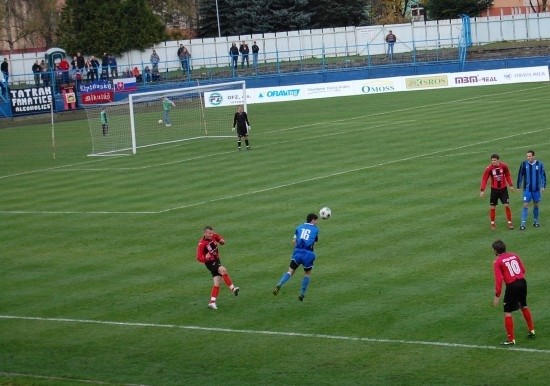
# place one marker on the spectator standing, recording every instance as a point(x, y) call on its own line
point(105, 66)
point(36, 70)
point(244, 50)
point(64, 67)
point(184, 56)
point(45, 73)
point(155, 59)
point(390, 40)
point(508, 268)
point(73, 64)
point(89, 70)
point(5, 68)
point(499, 174)
point(234, 55)
point(113, 66)
point(255, 51)
point(80, 62)
point(305, 236)
point(532, 177)
point(95, 67)
point(209, 255)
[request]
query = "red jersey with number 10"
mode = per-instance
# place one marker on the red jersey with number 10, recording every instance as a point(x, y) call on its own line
point(500, 176)
point(508, 268)
point(207, 250)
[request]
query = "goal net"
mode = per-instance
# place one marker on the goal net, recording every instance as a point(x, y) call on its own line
point(163, 117)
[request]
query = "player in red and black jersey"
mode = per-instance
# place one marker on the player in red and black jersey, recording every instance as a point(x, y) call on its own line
point(501, 179)
point(508, 268)
point(209, 255)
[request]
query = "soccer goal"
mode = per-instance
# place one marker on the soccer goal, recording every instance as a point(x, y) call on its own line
point(164, 117)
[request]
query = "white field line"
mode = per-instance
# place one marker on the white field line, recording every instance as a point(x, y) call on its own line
point(267, 189)
point(279, 333)
point(485, 96)
point(51, 378)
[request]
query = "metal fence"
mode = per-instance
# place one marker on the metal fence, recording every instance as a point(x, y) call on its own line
point(308, 50)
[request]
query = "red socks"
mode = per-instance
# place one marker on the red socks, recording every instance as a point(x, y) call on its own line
point(214, 294)
point(508, 214)
point(227, 280)
point(528, 318)
point(492, 214)
point(509, 325)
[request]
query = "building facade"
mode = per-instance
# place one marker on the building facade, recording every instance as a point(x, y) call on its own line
point(515, 7)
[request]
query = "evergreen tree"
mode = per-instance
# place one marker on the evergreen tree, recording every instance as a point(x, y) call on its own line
point(208, 21)
point(287, 15)
point(247, 17)
point(113, 26)
point(140, 27)
point(342, 13)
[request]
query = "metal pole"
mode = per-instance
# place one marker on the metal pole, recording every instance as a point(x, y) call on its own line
point(218, 17)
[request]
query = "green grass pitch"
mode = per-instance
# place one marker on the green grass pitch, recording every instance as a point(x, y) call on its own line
point(99, 283)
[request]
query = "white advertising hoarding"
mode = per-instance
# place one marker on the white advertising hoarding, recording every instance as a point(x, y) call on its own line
point(377, 86)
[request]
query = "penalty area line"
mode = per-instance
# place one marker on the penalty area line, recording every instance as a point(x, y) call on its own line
point(280, 333)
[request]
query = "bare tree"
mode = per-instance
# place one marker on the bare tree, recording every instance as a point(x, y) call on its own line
point(177, 14)
point(13, 28)
point(539, 6)
point(28, 23)
point(44, 15)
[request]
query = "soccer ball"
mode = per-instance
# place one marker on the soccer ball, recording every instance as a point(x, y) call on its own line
point(160, 121)
point(325, 213)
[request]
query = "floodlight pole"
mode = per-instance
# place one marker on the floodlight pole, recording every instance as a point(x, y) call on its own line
point(218, 17)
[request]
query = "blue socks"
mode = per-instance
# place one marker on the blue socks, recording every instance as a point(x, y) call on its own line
point(305, 283)
point(284, 278)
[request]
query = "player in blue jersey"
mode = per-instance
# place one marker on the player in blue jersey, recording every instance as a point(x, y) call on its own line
point(305, 236)
point(532, 177)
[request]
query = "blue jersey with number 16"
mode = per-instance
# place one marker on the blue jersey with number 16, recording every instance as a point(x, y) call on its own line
point(305, 236)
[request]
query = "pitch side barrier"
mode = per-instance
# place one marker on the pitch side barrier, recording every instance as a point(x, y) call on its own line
point(378, 86)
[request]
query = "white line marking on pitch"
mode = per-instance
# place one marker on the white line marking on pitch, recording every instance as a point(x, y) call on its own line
point(279, 333)
point(51, 378)
point(342, 172)
point(302, 126)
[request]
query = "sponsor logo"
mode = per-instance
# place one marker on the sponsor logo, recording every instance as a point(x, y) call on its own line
point(427, 82)
point(474, 79)
point(529, 74)
point(216, 98)
point(283, 93)
point(377, 87)
point(327, 89)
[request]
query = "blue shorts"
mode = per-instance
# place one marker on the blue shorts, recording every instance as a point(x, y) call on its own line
point(302, 257)
point(528, 196)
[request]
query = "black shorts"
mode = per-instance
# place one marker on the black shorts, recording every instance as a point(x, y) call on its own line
point(515, 295)
point(499, 194)
point(213, 266)
point(242, 131)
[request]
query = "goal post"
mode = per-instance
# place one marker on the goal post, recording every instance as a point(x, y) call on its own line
point(164, 117)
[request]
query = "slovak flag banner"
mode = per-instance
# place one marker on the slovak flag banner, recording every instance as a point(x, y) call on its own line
point(125, 84)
